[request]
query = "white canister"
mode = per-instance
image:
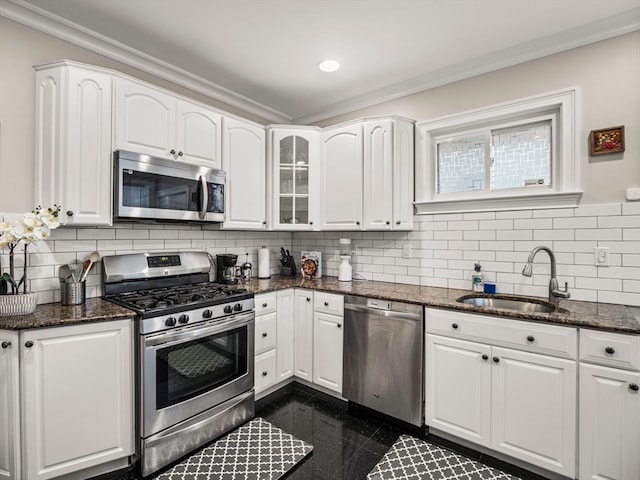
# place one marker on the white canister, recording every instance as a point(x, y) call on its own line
point(344, 269)
point(264, 263)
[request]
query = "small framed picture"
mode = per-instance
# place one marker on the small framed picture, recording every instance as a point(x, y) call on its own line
point(607, 140)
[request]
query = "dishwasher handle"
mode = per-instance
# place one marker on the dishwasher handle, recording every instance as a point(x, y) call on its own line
point(384, 313)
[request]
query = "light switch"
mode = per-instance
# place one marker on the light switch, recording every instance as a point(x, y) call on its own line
point(406, 251)
point(601, 256)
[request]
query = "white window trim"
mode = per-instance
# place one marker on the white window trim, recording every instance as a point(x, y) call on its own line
point(566, 191)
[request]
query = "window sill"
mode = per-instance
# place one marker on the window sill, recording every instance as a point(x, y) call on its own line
point(522, 202)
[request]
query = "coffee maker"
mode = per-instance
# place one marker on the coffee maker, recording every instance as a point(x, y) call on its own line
point(226, 268)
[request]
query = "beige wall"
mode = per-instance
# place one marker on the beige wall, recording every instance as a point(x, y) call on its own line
point(608, 74)
point(20, 49)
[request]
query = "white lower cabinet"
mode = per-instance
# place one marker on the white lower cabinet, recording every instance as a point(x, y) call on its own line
point(9, 406)
point(77, 397)
point(265, 370)
point(609, 420)
point(285, 336)
point(303, 330)
point(328, 340)
point(510, 400)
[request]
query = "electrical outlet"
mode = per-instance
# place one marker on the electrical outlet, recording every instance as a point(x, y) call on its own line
point(601, 256)
point(406, 251)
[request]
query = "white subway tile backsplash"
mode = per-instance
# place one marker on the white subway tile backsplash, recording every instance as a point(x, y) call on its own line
point(628, 221)
point(551, 235)
point(533, 224)
point(598, 210)
point(553, 213)
point(631, 208)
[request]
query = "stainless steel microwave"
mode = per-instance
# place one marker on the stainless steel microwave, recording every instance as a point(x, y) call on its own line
point(151, 188)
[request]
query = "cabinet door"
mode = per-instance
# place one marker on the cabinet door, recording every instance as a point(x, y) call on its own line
point(265, 371)
point(609, 423)
point(293, 155)
point(77, 390)
point(458, 388)
point(533, 413)
point(243, 159)
point(198, 134)
point(73, 144)
point(9, 407)
point(341, 178)
point(327, 351)
point(266, 332)
point(144, 119)
point(378, 174)
point(303, 329)
point(403, 159)
point(285, 340)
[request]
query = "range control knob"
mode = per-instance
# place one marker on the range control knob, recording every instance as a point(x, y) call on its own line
point(170, 322)
point(228, 309)
point(237, 307)
point(184, 318)
point(207, 313)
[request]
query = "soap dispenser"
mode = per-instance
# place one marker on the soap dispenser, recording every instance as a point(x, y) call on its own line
point(478, 279)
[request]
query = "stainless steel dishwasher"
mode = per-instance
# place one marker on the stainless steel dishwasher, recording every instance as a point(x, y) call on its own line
point(383, 357)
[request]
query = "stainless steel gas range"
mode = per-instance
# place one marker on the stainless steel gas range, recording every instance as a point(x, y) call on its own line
point(195, 351)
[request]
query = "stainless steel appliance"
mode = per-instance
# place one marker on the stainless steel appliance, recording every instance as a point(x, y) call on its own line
point(226, 268)
point(150, 188)
point(383, 352)
point(195, 351)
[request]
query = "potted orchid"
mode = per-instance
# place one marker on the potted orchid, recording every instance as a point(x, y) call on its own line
point(32, 228)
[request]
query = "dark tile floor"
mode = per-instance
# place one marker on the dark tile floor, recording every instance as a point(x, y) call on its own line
point(347, 441)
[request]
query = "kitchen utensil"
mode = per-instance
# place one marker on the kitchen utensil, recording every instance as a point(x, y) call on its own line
point(93, 258)
point(64, 273)
point(76, 270)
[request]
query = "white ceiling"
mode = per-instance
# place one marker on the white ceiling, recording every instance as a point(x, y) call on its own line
point(262, 55)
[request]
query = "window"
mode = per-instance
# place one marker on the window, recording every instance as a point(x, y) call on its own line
point(510, 156)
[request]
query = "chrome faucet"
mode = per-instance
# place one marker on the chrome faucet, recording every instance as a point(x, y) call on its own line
point(554, 293)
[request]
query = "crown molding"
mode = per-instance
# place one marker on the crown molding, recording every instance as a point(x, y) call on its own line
point(45, 22)
point(603, 29)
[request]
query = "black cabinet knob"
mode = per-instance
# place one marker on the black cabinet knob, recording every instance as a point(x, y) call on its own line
point(326, 304)
point(357, 223)
point(496, 359)
point(69, 213)
point(308, 299)
point(388, 222)
point(264, 222)
point(530, 338)
point(29, 344)
point(454, 326)
point(172, 152)
point(264, 334)
point(264, 374)
point(610, 350)
point(398, 222)
point(6, 344)
point(264, 305)
point(310, 223)
point(485, 356)
point(180, 154)
point(634, 387)
point(339, 325)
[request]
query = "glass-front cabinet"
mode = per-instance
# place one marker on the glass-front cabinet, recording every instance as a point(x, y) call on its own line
point(293, 160)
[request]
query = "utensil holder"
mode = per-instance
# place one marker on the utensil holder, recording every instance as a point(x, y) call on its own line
point(72, 293)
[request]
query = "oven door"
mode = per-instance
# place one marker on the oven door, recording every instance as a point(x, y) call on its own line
point(158, 189)
point(189, 370)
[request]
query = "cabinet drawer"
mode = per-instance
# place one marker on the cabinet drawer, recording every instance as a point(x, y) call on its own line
point(519, 334)
point(266, 329)
point(265, 303)
point(611, 349)
point(328, 303)
point(265, 370)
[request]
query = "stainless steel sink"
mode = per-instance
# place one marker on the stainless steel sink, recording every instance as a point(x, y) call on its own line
point(508, 303)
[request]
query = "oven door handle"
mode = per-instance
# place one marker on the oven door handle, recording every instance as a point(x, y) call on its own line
point(176, 337)
point(204, 197)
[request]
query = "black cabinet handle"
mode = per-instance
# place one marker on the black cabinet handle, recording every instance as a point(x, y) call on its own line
point(29, 344)
point(310, 223)
point(610, 350)
point(69, 213)
point(308, 299)
point(485, 356)
point(264, 222)
point(496, 359)
point(454, 326)
point(326, 304)
point(180, 154)
point(264, 305)
point(264, 374)
point(264, 334)
point(6, 344)
point(388, 222)
point(357, 223)
point(339, 325)
point(172, 152)
point(397, 222)
point(530, 338)
point(634, 387)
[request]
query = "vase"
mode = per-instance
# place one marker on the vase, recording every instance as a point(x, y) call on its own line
point(21, 304)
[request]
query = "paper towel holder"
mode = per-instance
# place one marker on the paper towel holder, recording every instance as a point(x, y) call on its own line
point(264, 263)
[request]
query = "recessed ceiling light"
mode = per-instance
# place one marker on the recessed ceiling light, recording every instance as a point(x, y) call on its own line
point(329, 66)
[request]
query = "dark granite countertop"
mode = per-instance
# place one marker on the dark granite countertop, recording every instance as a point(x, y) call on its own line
point(55, 314)
point(600, 316)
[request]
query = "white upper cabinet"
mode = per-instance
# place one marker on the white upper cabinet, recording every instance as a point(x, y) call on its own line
point(388, 174)
point(293, 190)
point(341, 177)
point(73, 142)
point(243, 159)
point(154, 122)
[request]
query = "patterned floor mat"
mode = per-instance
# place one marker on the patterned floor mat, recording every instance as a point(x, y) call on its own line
point(413, 459)
point(255, 451)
